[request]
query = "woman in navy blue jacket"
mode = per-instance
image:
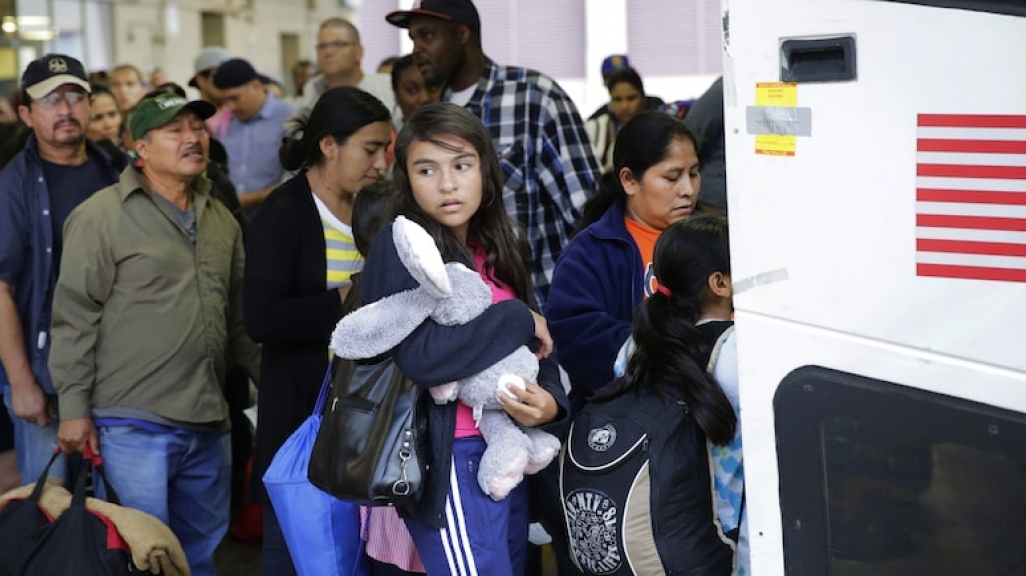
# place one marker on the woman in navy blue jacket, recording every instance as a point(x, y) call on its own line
point(606, 270)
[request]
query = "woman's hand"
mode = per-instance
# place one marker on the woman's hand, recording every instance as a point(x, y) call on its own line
point(534, 405)
point(541, 332)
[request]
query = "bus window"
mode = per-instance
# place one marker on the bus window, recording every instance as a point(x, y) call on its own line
point(878, 479)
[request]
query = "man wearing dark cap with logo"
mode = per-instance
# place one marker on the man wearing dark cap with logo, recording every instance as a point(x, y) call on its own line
point(614, 63)
point(610, 65)
point(545, 154)
point(57, 169)
point(254, 132)
point(147, 313)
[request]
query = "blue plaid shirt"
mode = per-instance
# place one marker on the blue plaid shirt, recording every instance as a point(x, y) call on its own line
point(545, 155)
point(253, 146)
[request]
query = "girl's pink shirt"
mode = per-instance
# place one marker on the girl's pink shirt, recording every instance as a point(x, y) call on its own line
point(465, 426)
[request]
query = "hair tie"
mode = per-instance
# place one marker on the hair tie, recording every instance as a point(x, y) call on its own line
point(664, 291)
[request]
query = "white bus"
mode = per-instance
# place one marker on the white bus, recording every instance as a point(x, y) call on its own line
point(876, 156)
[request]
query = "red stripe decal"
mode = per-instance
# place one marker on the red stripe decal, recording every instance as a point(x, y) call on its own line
point(971, 196)
point(971, 222)
point(957, 171)
point(966, 247)
point(971, 272)
point(972, 120)
point(977, 146)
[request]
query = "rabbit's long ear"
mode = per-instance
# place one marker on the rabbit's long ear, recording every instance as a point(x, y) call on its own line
point(417, 251)
point(376, 328)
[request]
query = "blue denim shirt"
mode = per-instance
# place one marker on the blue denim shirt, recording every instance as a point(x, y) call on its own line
point(26, 250)
point(253, 146)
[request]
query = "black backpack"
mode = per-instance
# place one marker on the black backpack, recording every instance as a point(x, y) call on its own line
point(22, 522)
point(79, 541)
point(636, 490)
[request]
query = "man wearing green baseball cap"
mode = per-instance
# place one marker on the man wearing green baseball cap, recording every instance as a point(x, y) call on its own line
point(147, 313)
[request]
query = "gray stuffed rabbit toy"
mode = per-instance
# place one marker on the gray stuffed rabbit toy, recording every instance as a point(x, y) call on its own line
point(452, 294)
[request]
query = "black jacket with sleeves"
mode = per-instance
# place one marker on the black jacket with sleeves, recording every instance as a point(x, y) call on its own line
point(434, 354)
point(288, 308)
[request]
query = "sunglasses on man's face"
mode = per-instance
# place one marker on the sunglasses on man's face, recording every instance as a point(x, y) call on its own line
point(72, 97)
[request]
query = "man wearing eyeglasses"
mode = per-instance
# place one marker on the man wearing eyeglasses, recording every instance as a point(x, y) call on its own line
point(54, 173)
point(339, 54)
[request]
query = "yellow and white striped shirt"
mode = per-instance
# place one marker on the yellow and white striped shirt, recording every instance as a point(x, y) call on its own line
point(341, 256)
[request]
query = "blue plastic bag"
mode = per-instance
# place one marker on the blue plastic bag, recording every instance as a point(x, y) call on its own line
point(321, 531)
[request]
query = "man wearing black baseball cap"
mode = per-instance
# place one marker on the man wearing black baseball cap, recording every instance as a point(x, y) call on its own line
point(550, 172)
point(147, 309)
point(56, 170)
point(556, 182)
point(254, 131)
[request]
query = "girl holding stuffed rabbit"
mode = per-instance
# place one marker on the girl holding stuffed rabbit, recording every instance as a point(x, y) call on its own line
point(450, 183)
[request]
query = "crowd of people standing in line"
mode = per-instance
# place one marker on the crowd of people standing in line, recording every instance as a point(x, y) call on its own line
point(159, 254)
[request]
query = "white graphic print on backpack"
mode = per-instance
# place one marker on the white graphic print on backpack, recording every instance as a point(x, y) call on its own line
point(614, 466)
point(592, 511)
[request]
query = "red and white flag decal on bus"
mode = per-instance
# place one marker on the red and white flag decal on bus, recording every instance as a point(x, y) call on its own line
point(971, 196)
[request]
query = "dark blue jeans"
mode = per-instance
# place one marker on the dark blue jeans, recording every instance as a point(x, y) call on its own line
point(182, 479)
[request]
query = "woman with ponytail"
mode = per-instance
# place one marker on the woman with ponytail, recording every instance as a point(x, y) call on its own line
point(300, 257)
point(674, 335)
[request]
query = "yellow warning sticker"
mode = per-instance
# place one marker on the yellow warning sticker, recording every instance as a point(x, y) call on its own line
point(776, 94)
point(775, 144)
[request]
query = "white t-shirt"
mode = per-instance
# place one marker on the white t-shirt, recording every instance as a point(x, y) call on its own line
point(462, 97)
point(377, 85)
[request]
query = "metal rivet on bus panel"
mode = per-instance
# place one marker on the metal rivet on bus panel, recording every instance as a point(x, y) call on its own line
point(994, 429)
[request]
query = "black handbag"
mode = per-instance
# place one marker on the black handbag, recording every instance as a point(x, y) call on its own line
point(368, 447)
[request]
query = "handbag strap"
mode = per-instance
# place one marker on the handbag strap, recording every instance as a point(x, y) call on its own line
point(37, 491)
point(322, 397)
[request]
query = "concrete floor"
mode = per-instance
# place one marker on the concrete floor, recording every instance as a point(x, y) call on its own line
point(235, 558)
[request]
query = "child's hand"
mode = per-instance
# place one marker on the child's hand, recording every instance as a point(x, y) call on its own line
point(533, 405)
point(541, 332)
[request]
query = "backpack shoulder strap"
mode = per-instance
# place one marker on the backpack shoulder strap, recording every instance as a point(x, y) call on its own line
point(714, 355)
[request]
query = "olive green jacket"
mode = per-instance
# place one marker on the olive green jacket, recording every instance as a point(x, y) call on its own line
point(143, 319)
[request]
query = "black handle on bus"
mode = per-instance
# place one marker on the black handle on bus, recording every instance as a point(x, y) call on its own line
point(819, 60)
